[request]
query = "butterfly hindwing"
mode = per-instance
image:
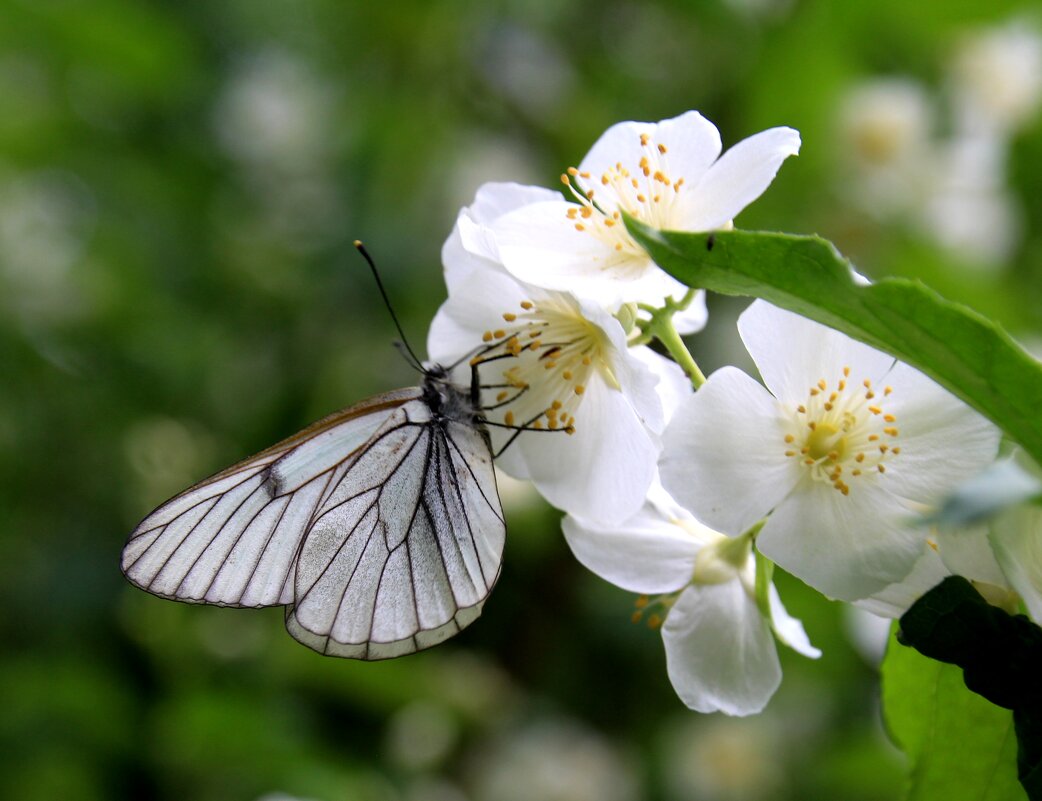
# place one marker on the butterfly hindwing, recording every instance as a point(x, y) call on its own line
point(407, 545)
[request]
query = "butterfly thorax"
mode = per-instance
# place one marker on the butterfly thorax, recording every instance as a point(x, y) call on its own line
point(445, 399)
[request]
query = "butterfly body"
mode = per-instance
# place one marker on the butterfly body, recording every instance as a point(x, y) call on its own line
point(379, 528)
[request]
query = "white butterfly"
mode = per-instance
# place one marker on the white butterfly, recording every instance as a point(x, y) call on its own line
point(379, 527)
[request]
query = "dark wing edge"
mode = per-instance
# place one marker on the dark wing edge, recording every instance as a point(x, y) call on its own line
point(232, 539)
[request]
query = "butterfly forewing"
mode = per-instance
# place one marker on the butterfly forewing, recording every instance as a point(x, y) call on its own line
point(406, 546)
point(233, 539)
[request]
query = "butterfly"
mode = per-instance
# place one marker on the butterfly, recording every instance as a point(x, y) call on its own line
point(379, 527)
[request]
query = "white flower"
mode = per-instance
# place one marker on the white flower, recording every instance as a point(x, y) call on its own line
point(665, 174)
point(998, 76)
point(720, 652)
point(848, 445)
point(884, 139)
point(561, 366)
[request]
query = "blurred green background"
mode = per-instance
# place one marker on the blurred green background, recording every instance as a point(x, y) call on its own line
point(180, 183)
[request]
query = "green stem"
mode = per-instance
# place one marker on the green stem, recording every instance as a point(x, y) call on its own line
point(660, 327)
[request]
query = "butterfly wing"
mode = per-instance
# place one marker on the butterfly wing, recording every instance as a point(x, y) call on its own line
point(233, 539)
point(406, 547)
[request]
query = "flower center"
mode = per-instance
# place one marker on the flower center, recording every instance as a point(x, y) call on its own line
point(549, 353)
point(645, 190)
point(842, 433)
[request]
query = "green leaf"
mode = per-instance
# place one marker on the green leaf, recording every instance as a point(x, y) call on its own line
point(959, 745)
point(1000, 655)
point(964, 352)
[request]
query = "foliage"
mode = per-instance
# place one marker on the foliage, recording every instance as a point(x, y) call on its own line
point(179, 187)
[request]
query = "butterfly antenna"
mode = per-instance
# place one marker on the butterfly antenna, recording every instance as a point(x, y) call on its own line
point(406, 348)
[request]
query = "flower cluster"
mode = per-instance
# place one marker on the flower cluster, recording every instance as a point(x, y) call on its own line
point(688, 497)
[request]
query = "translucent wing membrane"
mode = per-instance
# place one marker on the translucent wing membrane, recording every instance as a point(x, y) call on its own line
point(233, 539)
point(407, 542)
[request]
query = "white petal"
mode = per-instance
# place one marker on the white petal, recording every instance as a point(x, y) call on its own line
point(693, 143)
point(478, 297)
point(788, 629)
point(477, 240)
point(494, 199)
point(673, 386)
point(793, 353)
point(739, 177)
point(716, 460)
point(943, 441)
point(646, 553)
point(470, 244)
point(967, 552)
point(720, 653)
point(846, 546)
point(895, 599)
point(602, 471)
point(541, 246)
point(631, 368)
point(620, 144)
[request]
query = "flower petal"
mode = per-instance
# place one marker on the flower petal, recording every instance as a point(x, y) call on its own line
point(788, 629)
point(631, 368)
point(645, 553)
point(793, 353)
point(495, 199)
point(720, 653)
point(966, 551)
point(739, 177)
point(478, 296)
point(673, 386)
point(894, 600)
point(846, 546)
point(470, 244)
point(715, 462)
point(943, 441)
point(539, 245)
point(601, 472)
point(693, 145)
point(692, 142)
